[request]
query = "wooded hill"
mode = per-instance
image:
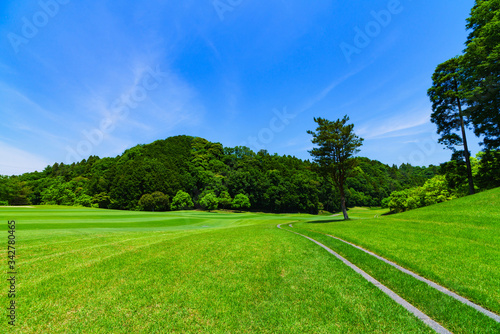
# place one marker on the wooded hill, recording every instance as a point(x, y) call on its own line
point(273, 183)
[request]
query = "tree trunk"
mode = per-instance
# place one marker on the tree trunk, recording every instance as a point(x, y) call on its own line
point(342, 202)
point(466, 148)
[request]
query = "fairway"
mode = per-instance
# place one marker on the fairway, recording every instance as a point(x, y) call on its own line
point(97, 271)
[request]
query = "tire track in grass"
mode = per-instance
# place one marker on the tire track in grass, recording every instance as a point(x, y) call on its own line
point(409, 307)
point(432, 284)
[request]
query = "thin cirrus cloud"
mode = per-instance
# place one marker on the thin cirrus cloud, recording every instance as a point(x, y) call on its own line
point(396, 126)
point(16, 161)
point(137, 110)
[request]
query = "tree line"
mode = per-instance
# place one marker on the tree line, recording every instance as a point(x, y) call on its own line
point(140, 177)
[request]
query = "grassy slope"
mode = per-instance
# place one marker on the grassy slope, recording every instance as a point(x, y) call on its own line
point(95, 271)
point(456, 244)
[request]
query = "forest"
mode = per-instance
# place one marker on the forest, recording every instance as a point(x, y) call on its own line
point(193, 165)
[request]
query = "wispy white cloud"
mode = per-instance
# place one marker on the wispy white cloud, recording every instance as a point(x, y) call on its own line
point(171, 103)
point(325, 91)
point(16, 161)
point(19, 102)
point(396, 126)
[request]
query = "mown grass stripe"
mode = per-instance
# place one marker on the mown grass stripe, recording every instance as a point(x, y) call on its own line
point(394, 296)
point(425, 280)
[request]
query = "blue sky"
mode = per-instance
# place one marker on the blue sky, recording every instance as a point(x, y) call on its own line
point(98, 77)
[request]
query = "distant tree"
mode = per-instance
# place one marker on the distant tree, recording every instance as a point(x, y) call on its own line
point(241, 202)
point(488, 175)
point(84, 200)
point(209, 201)
point(102, 200)
point(161, 201)
point(337, 145)
point(481, 65)
point(225, 199)
point(59, 193)
point(182, 201)
point(147, 202)
point(4, 188)
point(448, 96)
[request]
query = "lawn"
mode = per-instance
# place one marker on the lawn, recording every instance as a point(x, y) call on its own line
point(95, 271)
point(455, 244)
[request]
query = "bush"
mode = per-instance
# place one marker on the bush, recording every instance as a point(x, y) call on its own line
point(84, 200)
point(432, 192)
point(241, 202)
point(488, 176)
point(209, 201)
point(156, 201)
point(182, 201)
point(225, 199)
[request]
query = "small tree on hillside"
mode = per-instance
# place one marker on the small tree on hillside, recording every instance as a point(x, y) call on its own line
point(337, 144)
point(209, 201)
point(182, 201)
point(241, 202)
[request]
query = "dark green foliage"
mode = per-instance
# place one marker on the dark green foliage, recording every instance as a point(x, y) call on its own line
point(18, 192)
point(448, 98)
point(481, 64)
point(488, 176)
point(146, 202)
point(225, 200)
point(156, 201)
point(196, 166)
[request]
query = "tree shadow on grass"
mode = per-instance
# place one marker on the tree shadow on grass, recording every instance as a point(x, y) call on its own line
point(324, 221)
point(390, 213)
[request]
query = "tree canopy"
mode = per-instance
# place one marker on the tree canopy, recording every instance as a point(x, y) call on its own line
point(481, 65)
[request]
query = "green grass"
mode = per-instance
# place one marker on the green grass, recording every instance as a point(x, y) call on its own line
point(98, 271)
point(456, 244)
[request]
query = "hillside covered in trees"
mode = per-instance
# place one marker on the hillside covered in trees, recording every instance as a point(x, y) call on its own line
point(196, 166)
